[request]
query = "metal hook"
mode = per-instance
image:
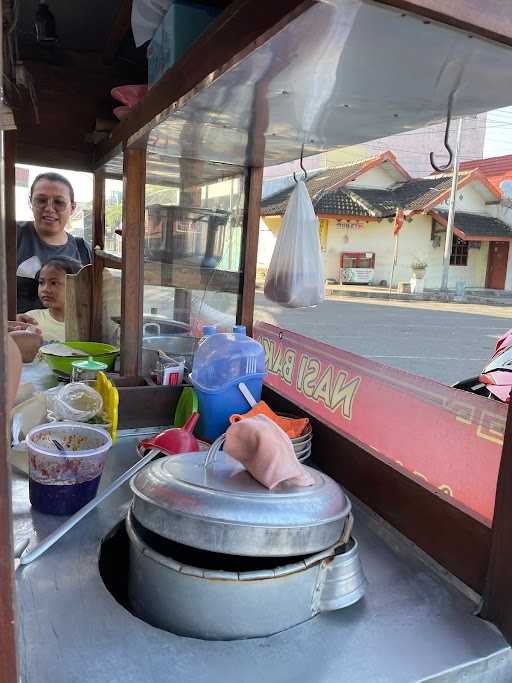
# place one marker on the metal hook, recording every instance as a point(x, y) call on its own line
point(437, 168)
point(301, 163)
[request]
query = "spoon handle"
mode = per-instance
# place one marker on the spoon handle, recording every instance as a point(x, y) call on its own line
point(31, 555)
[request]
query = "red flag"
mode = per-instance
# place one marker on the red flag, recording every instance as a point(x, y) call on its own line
point(399, 220)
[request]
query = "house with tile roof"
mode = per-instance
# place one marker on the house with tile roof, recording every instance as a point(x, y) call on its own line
point(496, 169)
point(357, 203)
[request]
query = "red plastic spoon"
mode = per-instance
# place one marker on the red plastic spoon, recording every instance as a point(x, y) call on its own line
point(175, 440)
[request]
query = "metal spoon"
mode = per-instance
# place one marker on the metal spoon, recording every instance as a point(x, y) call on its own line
point(31, 555)
point(58, 446)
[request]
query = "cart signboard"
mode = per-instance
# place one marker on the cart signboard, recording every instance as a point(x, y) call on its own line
point(449, 439)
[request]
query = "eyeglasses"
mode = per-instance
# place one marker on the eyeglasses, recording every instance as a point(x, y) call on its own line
point(41, 202)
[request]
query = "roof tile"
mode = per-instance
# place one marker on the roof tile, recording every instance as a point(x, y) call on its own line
point(478, 225)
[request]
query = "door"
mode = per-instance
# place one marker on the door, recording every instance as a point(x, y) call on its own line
point(497, 265)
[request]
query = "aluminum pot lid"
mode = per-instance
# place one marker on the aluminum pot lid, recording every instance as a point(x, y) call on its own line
point(224, 509)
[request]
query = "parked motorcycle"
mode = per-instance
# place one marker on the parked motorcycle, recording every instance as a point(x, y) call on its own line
point(495, 380)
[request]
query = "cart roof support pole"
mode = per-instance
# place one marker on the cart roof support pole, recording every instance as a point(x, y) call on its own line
point(98, 240)
point(251, 231)
point(10, 219)
point(132, 288)
point(8, 663)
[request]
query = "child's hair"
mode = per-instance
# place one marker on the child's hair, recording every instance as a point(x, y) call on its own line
point(69, 265)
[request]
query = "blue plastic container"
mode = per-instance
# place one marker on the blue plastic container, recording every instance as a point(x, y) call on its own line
point(217, 405)
point(221, 362)
point(183, 23)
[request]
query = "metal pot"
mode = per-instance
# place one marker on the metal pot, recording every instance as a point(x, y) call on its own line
point(225, 605)
point(216, 505)
point(158, 325)
point(172, 345)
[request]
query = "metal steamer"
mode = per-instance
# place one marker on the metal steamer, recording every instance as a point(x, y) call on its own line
point(216, 555)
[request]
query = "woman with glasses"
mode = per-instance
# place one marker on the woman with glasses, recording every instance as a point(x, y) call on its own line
point(53, 201)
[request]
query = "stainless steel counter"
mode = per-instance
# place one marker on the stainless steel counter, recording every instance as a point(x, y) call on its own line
point(411, 626)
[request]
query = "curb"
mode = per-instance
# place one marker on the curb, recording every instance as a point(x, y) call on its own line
point(441, 298)
point(426, 296)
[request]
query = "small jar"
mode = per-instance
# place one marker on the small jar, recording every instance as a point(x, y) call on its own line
point(84, 370)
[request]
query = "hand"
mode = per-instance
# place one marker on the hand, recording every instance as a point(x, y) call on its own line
point(19, 326)
point(28, 343)
point(24, 318)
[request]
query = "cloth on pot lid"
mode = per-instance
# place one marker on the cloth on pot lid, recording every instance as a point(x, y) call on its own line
point(266, 452)
point(293, 426)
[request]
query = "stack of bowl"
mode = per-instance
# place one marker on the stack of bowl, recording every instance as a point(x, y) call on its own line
point(302, 444)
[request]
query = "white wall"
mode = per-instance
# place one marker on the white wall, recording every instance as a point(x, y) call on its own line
point(413, 243)
point(471, 198)
point(266, 244)
point(376, 178)
point(473, 275)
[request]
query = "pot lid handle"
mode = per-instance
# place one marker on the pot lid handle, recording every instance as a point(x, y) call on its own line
point(213, 450)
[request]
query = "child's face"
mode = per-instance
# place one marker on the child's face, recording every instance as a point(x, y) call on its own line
point(52, 287)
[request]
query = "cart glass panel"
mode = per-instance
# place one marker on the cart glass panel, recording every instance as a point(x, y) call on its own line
point(192, 246)
point(113, 215)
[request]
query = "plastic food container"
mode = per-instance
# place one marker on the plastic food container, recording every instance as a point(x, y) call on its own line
point(60, 483)
point(221, 362)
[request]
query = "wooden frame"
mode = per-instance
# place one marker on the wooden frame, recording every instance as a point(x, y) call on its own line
point(8, 666)
point(10, 220)
point(132, 288)
point(487, 18)
point(98, 241)
point(243, 26)
point(251, 229)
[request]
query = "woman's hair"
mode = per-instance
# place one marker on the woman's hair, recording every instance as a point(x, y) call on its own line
point(69, 265)
point(54, 178)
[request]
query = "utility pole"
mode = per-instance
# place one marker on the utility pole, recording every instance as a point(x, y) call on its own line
point(451, 211)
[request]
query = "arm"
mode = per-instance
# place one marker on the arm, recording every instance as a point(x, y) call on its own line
point(13, 371)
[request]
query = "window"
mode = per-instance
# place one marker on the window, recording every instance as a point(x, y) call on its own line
point(459, 255)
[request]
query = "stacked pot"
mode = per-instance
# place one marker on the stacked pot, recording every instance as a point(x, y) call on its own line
point(215, 555)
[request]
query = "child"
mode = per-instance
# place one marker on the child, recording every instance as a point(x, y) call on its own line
point(52, 294)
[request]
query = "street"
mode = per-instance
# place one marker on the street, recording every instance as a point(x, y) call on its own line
point(446, 342)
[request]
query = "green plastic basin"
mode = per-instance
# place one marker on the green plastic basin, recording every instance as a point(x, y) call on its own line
point(104, 353)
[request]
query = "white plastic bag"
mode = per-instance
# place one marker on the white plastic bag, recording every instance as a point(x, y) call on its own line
point(75, 401)
point(295, 277)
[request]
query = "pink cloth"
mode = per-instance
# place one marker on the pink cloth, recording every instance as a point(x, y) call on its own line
point(266, 452)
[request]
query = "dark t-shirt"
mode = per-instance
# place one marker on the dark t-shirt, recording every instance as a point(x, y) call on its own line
point(32, 254)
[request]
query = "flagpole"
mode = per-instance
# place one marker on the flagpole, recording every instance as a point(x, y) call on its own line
point(393, 265)
point(451, 212)
point(397, 224)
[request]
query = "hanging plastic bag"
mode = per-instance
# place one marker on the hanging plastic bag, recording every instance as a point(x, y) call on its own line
point(295, 277)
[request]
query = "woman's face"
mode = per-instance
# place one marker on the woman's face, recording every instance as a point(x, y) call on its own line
point(52, 206)
point(52, 287)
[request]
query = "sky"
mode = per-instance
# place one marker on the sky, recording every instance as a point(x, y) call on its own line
point(498, 135)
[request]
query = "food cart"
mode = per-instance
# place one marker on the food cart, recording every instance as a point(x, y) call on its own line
point(428, 468)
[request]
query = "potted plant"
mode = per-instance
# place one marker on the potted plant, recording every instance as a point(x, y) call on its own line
point(419, 266)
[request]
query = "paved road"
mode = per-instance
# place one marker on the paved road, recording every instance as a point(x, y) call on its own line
point(446, 342)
